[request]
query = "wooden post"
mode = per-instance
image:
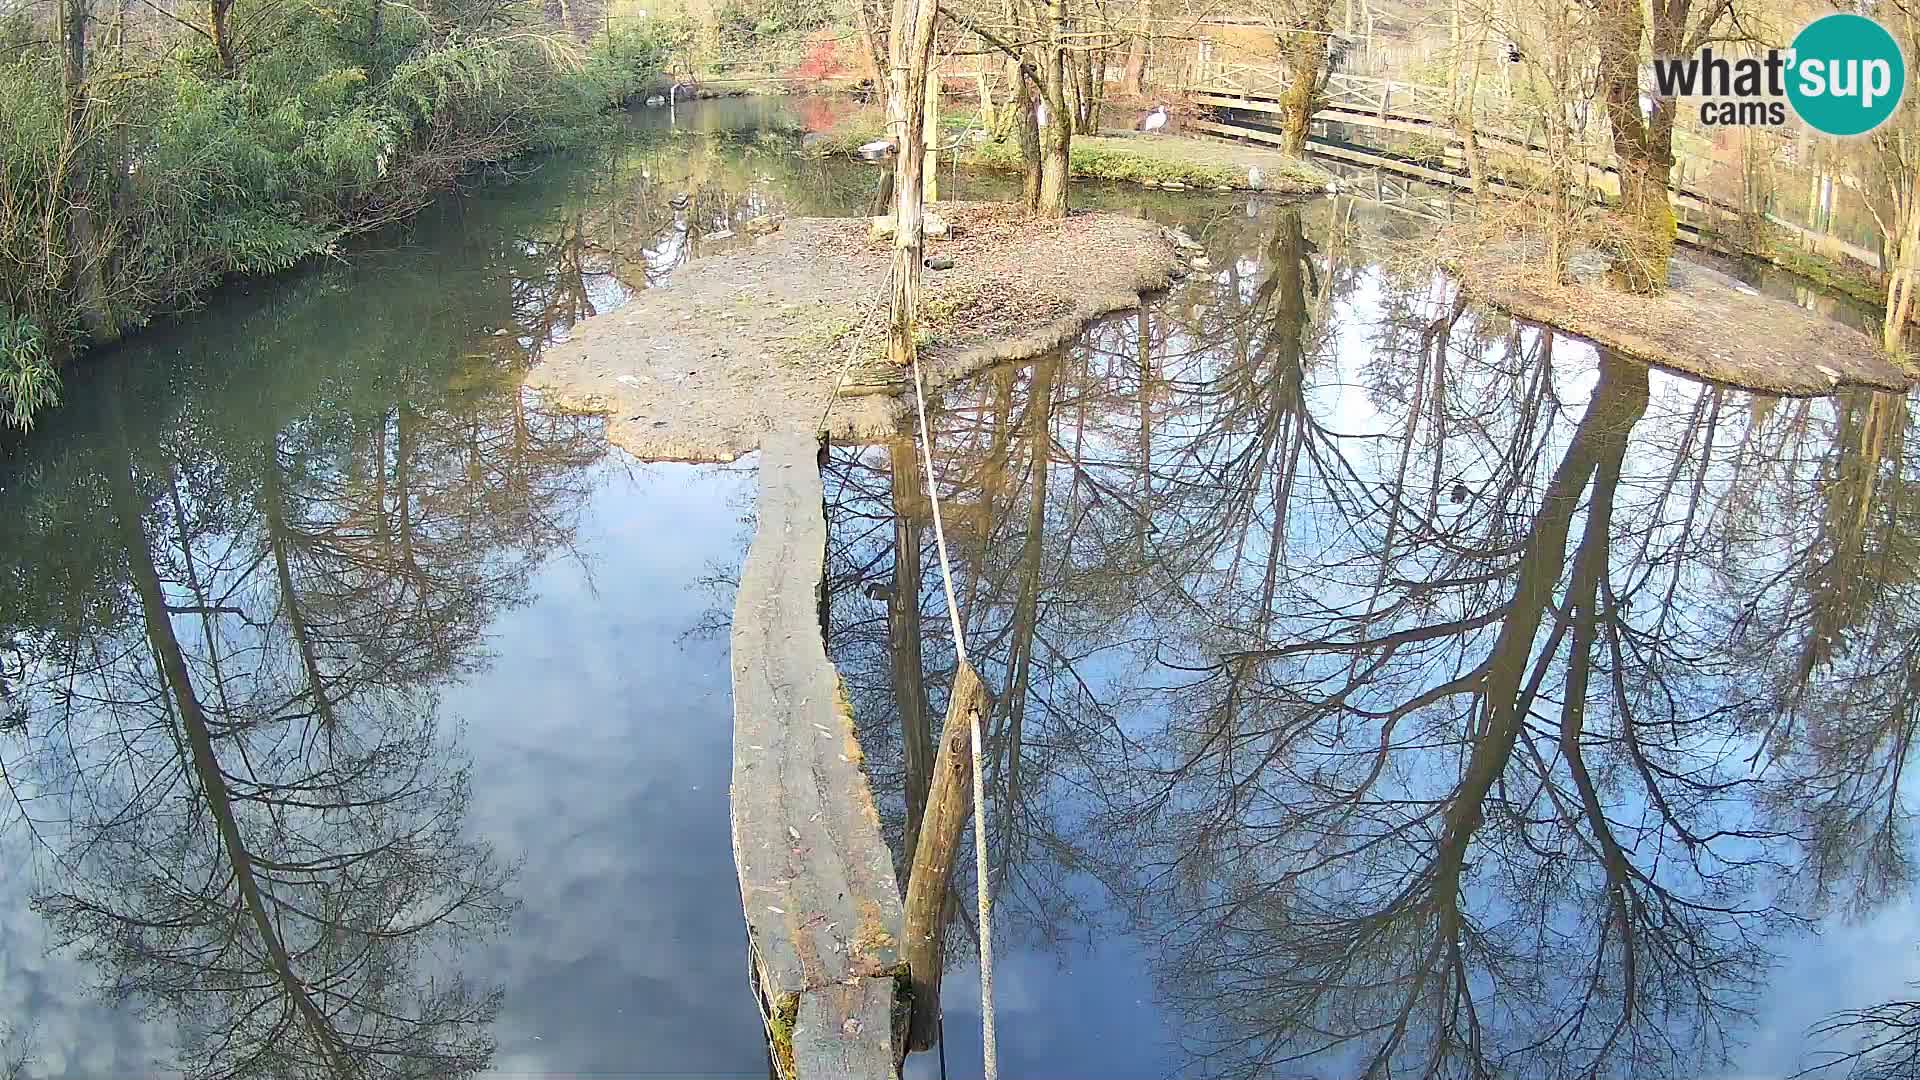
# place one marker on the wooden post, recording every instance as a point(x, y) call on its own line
point(949, 805)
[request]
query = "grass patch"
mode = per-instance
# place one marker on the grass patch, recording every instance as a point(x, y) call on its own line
point(1847, 279)
point(1094, 162)
point(1089, 158)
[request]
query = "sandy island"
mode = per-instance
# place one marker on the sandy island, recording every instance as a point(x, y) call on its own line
point(746, 342)
point(1706, 323)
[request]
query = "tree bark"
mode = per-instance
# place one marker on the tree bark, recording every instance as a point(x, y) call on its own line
point(869, 46)
point(949, 806)
point(1133, 76)
point(1900, 281)
point(1093, 66)
point(1056, 135)
point(222, 39)
point(1305, 52)
point(1026, 132)
point(1642, 151)
point(86, 283)
point(909, 243)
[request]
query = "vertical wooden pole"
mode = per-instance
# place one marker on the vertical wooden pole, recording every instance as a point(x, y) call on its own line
point(949, 805)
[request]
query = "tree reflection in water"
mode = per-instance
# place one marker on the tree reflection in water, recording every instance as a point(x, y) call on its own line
point(1433, 697)
point(250, 814)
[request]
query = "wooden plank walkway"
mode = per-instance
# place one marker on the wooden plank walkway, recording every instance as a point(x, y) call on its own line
point(817, 884)
point(1415, 109)
point(1397, 196)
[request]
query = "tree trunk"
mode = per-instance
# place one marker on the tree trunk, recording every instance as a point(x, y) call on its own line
point(909, 245)
point(949, 806)
point(222, 39)
point(1055, 146)
point(869, 46)
point(1056, 135)
point(1641, 153)
point(1901, 278)
point(86, 283)
point(1026, 132)
point(376, 23)
point(1464, 113)
point(899, 34)
point(1086, 95)
point(1306, 56)
point(1133, 76)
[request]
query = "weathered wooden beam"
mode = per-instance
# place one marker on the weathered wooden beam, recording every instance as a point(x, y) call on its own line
point(817, 885)
point(949, 806)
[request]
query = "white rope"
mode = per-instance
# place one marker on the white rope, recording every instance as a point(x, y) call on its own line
point(983, 895)
point(853, 354)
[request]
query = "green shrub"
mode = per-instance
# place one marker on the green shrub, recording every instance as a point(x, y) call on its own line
point(28, 382)
point(190, 175)
point(744, 24)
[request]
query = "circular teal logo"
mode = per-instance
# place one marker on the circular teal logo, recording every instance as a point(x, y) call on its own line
point(1847, 74)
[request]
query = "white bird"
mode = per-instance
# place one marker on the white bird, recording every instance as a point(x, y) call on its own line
point(1154, 120)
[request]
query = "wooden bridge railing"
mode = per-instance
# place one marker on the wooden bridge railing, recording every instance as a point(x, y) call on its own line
point(1385, 97)
point(1420, 108)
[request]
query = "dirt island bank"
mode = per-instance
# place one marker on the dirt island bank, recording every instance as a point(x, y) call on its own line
point(752, 341)
point(1704, 323)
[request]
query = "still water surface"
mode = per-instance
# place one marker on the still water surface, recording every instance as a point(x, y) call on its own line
point(373, 715)
point(1394, 689)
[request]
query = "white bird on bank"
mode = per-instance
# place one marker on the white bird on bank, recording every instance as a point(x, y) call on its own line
point(1154, 120)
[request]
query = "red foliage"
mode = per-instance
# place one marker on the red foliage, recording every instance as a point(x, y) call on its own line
point(822, 62)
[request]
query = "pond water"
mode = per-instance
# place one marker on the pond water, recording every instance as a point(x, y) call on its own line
point(1391, 688)
point(362, 712)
